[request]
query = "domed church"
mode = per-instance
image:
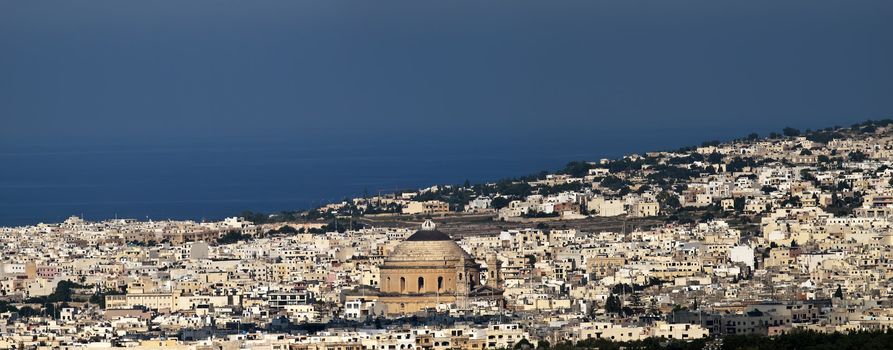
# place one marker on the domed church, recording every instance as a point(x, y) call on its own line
point(429, 268)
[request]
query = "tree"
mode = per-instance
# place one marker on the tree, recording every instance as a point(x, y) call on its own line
point(624, 191)
point(668, 200)
point(707, 216)
point(287, 229)
point(510, 188)
point(98, 299)
point(838, 293)
point(824, 136)
point(257, 218)
point(613, 182)
point(577, 169)
point(612, 304)
point(62, 293)
point(621, 288)
point(542, 344)
point(52, 309)
point(27, 311)
point(537, 214)
point(738, 164)
point(792, 201)
point(523, 344)
point(739, 204)
point(284, 230)
point(811, 340)
point(232, 236)
point(857, 156)
point(5, 307)
point(843, 185)
point(499, 202)
point(790, 132)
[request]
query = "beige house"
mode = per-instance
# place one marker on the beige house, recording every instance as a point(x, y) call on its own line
point(426, 207)
point(644, 209)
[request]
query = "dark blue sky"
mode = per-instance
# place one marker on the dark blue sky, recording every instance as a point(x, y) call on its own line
point(557, 80)
point(156, 72)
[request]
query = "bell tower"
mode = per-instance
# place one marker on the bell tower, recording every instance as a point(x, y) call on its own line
point(494, 273)
point(463, 280)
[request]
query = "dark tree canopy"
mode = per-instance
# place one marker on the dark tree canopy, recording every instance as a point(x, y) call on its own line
point(789, 131)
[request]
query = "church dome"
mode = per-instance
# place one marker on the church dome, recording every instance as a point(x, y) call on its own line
point(429, 235)
point(428, 244)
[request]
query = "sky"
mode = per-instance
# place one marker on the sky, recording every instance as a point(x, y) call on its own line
point(552, 79)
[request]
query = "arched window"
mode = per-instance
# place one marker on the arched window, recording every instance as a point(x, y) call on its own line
point(402, 284)
point(439, 283)
point(460, 276)
point(421, 283)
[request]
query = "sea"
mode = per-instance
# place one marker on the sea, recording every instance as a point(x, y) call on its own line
point(213, 183)
point(47, 184)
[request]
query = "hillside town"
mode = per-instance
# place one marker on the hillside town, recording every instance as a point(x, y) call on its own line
point(755, 236)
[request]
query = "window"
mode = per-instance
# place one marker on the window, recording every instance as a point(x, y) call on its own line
point(402, 284)
point(439, 283)
point(421, 284)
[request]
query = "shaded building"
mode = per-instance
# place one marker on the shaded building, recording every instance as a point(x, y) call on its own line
point(427, 269)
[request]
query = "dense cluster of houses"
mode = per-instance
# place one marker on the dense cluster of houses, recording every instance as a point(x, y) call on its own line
point(760, 236)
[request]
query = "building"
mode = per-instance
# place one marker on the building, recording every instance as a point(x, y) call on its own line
point(428, 269)
point(644, 209)
point(426, 207)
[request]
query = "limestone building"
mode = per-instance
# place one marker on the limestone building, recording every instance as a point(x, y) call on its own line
point(428, 269)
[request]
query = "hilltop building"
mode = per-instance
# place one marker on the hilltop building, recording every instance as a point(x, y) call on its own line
point(428, 269)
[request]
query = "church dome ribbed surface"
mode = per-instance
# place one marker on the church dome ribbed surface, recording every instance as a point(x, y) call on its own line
point(428, 245)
